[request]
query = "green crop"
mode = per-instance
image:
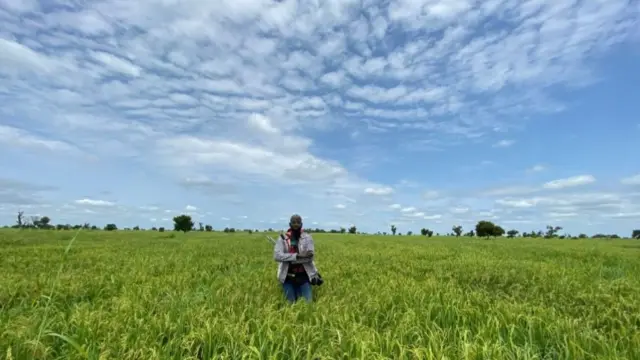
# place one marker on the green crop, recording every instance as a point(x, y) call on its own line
point(150, 295)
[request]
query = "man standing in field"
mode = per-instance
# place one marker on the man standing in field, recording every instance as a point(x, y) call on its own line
point(294, 251)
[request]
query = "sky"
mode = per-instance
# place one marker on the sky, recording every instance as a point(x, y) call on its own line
point(418, 113)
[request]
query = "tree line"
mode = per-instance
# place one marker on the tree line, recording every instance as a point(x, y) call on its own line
point(186, 224)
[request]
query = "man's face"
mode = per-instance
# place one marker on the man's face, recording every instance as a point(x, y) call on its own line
point(295, 223)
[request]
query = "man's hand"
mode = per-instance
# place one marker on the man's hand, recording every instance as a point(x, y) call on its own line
point(305, 254)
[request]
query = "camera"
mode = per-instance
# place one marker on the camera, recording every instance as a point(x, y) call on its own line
point(317, 280)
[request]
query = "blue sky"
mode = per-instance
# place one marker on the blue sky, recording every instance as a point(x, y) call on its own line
point(419, 113)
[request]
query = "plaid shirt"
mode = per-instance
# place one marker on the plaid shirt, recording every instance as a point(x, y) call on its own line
point(282, 255)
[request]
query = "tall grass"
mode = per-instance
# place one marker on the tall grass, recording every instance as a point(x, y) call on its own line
point(147, 295)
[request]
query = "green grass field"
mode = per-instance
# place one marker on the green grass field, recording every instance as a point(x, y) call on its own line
point(150, 295)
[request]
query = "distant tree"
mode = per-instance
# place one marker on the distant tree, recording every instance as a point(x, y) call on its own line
point(605, 236)
point(552, 231)
point(635, 234)
point(27, 223)
point(136, 228)
point(182, 223)
point(154, 229)
point(393, 229)
point(470, 234)
point(208, 228)
point(409, 233)
point(457, 230)
point(512, 233)
point(35, 222)
point(93, 227)
point(384, 233)
point(352, 229)
point(111, 227)
point(161, 229)
point(19, 222)
point(44, 223)
point(200, 227)
point(342, 230)
point(484, 228)
point(426, 232)
point(487, 228)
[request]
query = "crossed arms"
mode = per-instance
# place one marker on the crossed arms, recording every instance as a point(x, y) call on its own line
point(281, 255)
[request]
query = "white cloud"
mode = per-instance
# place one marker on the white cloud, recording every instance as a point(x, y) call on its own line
point(523, 203)
point(20, 59)
point(11, 137)
point(537, 168)
point(460, 210)
point(504, 143)
point(190, 208)
point(621, 215)
point(570, 182)
point(262, 123)
point(116, 64)
point(562, 214)
point(572, 202)
point(510, 190)
point(632, 180)
point(379, 191)
point(92, 202)
point(431, 194)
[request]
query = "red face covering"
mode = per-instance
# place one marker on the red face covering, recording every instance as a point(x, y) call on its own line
point(291, 239)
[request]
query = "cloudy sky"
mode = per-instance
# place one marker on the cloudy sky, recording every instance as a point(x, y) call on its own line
point(419, 113)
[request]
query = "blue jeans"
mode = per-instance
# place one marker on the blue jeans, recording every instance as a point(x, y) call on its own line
point(293, 292)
